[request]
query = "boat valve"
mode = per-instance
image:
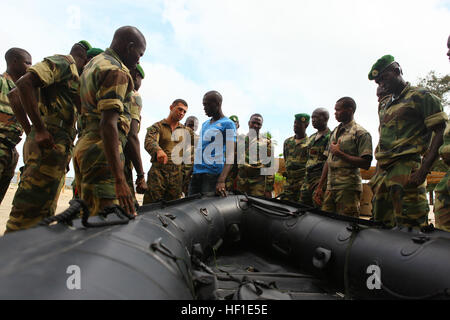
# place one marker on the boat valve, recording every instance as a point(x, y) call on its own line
point(321, 258)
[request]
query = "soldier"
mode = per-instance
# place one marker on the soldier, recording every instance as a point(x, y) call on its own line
point(295, 153)
point(442, 190)
point(408, 117)
point(165, 177)
point(317, 145)
point(192, 124)
point(231, 183)
point(350, 149)
point(49, 94)
point(132, 150)
point(218, 135)
point(17, 62)
point(251, 179)
point(98, 154)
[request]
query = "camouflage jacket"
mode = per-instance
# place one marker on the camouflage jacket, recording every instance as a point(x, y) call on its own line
point(254, 164)
point(10, 129)
point(161, 137)
point(295, 156)
point(132, 111)
point(106, 84)
point(444, 150)
point(316, 157)
point(405, 122)
point(353, 140)
point(59, 93)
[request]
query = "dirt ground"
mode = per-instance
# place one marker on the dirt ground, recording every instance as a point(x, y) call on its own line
point(63, 204)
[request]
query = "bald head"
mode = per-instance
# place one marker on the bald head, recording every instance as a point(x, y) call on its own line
point(130, 44)
point(320, 118)
point(17, 61)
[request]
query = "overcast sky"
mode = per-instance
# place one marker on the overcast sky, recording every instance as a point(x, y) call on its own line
point(277, 58)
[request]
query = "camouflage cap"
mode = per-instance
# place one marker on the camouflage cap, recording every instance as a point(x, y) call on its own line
point(303, 117)
point(85, 44)
point(140, 70)
point(380, 66)
point(93, 52)
point(234, 118)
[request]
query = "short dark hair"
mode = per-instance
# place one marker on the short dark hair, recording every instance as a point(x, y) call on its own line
point(256, 115)
point(178, 101)
point(348, 102)
point(14, 53)
point(216, 94)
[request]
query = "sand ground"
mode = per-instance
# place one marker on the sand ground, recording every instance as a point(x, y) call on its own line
point(63, 204)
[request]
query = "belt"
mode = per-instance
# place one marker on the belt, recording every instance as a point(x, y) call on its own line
point(414, 157)
point(61, 124)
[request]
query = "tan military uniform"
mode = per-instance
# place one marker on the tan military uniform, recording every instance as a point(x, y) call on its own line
point(165, 180)
point(344, 184)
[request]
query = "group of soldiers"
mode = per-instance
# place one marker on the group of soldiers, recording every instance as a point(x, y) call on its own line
point(93, 95)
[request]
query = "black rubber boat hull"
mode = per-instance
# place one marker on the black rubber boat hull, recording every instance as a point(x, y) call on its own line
point(151, 256)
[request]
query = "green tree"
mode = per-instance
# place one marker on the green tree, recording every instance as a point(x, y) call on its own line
point(439, 85)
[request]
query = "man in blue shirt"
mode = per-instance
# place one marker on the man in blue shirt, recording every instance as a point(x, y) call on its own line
point(214, 155)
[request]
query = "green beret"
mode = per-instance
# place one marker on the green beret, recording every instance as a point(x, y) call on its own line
point(85, 44)
point(234, 118)
point(93, 52)
point(303, 117)
point(380, 66)
point(140, 70)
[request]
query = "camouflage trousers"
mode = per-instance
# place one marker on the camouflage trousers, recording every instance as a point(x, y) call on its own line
point(41, 181)
point(128, 171)
point(251, 182)
point(94, 178)
point(307, 191)
point(292, 187)
point(164, 183)
point(231, 181)
point(344, 202)
point(187, 175)
point(442, 203)
point(394, 201)
point(8, 163)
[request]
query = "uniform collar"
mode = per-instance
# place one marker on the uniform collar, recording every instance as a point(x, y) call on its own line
point(113, 54)
point(165, 122)
point(347, 126)
point(7, 76)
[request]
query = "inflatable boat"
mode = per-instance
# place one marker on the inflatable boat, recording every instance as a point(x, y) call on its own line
point(211, 248)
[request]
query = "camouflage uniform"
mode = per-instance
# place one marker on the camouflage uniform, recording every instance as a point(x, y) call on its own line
point(10, 132)
point(134, 105)
point(344, 185)
point(404, 138)
point(105, 84)
point(250, 179)
point(442, 190)
point(164, 180)
point(314, 166)
point(231, 181)
point(188, 168)
point(295, 157)
point(45, 168)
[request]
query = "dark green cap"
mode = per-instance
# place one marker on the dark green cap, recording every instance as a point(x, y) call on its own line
point(85, 44)
point(93, 52)
point(140, 70)
point(380, 66)
point(303, 117)
point(234, 118)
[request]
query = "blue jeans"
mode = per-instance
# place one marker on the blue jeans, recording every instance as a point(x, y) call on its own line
point(203, 183)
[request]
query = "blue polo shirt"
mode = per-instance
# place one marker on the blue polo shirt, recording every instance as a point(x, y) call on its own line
point(211, 149)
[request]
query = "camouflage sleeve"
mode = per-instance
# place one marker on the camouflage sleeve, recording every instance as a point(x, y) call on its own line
point(326, 153)
point(444, 150)
point(432, 110)
point(270, 179)
point(136, 107)
point(112, 90)
point(284, 150)
point(152, 140)
point(54, 69)
point(364, 144)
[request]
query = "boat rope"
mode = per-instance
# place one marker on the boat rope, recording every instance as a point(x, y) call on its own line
point(354, 229)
